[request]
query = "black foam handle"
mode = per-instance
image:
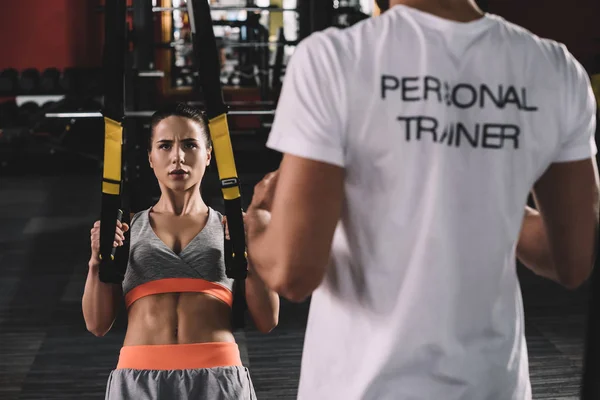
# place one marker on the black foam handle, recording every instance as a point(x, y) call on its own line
point(590, 387)
point(109, 271)
point(120, 219)
point(236, 263)
point(238, 312)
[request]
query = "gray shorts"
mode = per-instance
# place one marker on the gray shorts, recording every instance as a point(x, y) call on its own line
point(180, 372)
point(224, 383)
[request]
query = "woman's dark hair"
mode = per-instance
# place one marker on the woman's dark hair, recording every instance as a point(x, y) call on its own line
point(181, 110)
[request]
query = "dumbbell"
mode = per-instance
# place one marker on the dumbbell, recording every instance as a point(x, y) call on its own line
point(29, 81)
point(9, 114)
point(68, 81)
point(92, 79)
point(86, 81)
point(9, 79)
point(27, 112)
point(49, 81)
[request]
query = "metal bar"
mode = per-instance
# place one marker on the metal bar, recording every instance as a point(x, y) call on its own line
point(249, 103)
point(237, 103)
point(231, 44)
point(252, 112)
point(75, 115)
point(226, 8)
point(139, 114)
point(255, 44)
point(151, 74)
point(95, 114)
point(145, 114)
point(219, 8)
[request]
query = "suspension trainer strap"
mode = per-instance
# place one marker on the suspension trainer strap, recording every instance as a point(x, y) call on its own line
point(113, 262)
point(209, 74)
point(590, 388)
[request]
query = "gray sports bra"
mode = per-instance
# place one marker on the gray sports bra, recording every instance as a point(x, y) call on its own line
point(154, 268)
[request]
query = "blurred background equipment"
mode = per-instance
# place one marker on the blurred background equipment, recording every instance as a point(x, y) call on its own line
point(9, 80)
point(256, 40)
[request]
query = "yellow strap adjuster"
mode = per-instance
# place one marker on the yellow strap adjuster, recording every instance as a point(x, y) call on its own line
point(113, 140)
point(219, 132)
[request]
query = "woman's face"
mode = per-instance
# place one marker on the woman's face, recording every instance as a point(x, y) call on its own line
point(178, 154)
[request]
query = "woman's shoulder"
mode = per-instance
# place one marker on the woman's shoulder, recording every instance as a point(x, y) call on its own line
point(215, 219)
point(139, 215)
point(215, 212)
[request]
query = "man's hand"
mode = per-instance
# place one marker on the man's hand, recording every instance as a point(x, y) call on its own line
point(291, 223)
point(258, 215)
point(264, 192)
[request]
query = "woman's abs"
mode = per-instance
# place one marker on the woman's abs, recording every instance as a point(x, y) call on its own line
point(178, 318)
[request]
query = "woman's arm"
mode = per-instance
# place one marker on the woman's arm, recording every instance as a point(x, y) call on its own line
point(263, 303)
point(101, 300)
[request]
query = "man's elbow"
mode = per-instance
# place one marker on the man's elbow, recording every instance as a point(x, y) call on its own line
point(575, 275)
point(297, 289)
point(573, 281)
point(295, 295)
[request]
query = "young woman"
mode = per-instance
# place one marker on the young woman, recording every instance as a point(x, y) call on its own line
point(179, 343)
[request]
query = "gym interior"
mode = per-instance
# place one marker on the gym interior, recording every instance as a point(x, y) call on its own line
point(53, 86)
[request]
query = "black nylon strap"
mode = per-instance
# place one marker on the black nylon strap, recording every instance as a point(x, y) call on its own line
point(115, 47)
point(111, 181)
point(590, 389)
point(112, 267)
point(206, 56)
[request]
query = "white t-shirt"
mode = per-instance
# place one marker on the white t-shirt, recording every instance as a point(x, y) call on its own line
point(442, 129)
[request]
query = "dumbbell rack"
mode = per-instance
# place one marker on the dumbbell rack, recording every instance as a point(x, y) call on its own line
point(26, 96)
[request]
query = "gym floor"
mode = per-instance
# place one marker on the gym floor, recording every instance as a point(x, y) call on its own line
point(46, 352)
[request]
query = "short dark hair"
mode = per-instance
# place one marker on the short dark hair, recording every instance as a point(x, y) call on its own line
point(181, 110)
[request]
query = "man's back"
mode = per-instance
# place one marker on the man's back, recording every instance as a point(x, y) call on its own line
point(445, 127)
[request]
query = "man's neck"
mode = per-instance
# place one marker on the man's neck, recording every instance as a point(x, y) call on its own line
point(455, 10)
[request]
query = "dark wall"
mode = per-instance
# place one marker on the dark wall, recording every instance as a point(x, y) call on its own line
point(576, 23)
point(50, 33)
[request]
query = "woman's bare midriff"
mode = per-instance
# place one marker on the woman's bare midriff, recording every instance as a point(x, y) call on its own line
point(178, 318)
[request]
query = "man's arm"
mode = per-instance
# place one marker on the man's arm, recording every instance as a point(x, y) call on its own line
point(289, 242)
point(533, 249)
point(559, 242)
point(298, 208)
